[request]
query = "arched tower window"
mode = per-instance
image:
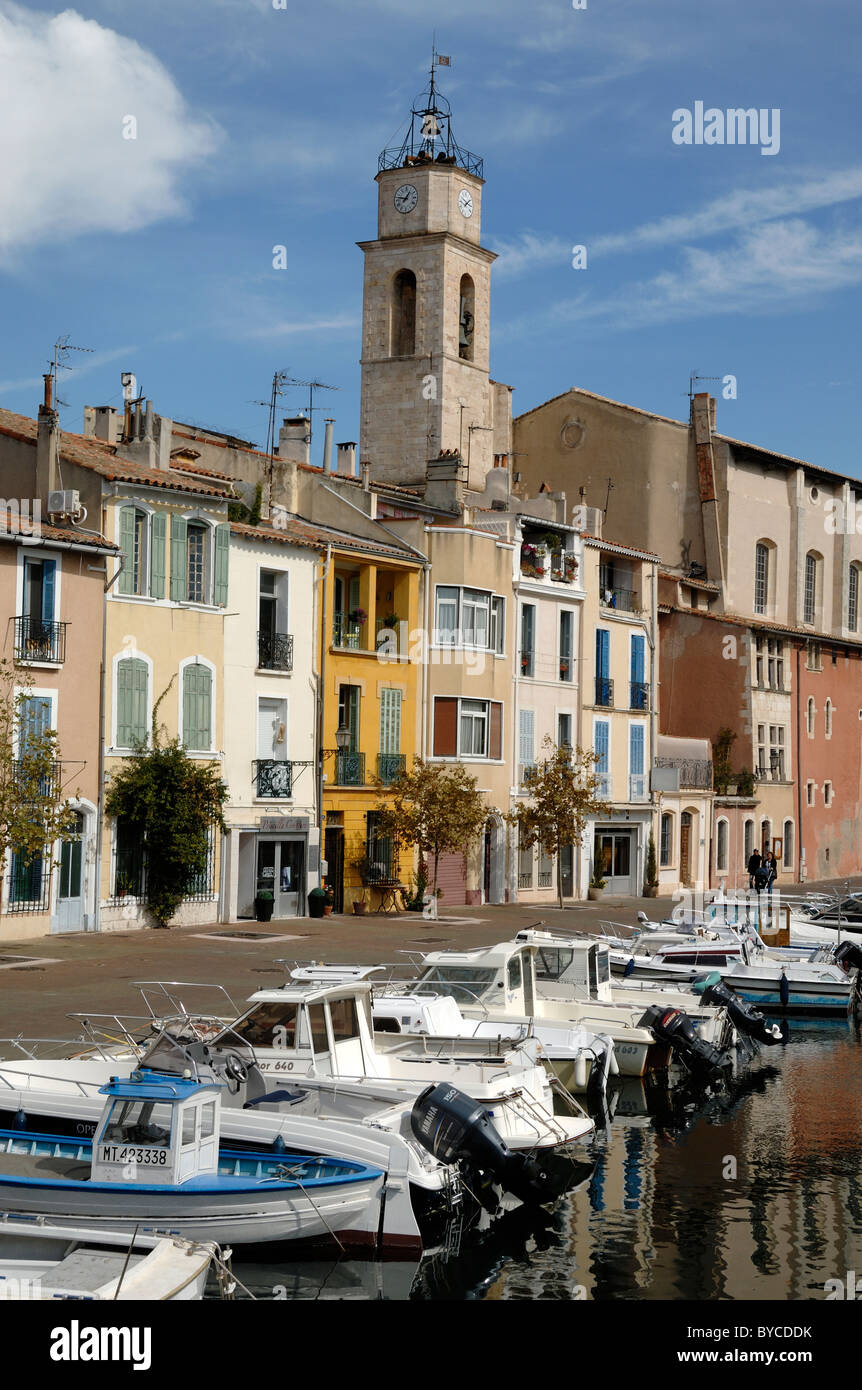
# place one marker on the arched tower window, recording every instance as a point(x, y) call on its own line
point(466, 318)
point(812, 593)
point(403, 339)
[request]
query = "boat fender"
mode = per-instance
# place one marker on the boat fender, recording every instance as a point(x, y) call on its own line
point(784, 990)
point(20, 1120)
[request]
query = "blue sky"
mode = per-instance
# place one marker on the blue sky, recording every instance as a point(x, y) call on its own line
point(259, 126)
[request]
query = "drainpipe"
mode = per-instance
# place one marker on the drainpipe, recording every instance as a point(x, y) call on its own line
point(427, 714)
point(323, 584)
point(100, 801)
point(653, 711)
point(799, 761)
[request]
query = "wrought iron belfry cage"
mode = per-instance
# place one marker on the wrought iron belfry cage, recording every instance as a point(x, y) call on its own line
point(429, 139)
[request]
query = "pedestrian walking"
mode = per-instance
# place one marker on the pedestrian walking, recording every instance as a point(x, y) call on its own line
point(754, 862)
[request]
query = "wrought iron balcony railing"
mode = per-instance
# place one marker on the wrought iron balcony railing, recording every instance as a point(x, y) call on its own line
point(350, 769)
point(604, 692)
point(638, 695)
point(603, 786)
point(38, 779)
point(346, 632)
point(36, 640)
point(637, 786)
point(623, 599)
point(694, 773)
point(272, 777)
point(390, 766)
point(275, 651)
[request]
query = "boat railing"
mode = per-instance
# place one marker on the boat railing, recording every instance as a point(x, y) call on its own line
point(40, 1049)
point(8, 1073)
point(113, 1030)
point(163, 997)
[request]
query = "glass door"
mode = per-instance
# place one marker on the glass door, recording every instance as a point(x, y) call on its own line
point(70, 889)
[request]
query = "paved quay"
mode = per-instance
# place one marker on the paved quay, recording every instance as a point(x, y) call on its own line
point(93, 972)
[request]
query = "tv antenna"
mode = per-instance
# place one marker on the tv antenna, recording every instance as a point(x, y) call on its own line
point(58, 363)
point(280, 382)
point(693, 377)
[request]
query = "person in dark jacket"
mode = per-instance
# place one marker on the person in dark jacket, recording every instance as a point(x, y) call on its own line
point(754, 863)
point(770, 864)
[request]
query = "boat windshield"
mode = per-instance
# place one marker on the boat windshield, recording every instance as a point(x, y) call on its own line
point(268, 1025)
point(139, 1122)
point(464, 983)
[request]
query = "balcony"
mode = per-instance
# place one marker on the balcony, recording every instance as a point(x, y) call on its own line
point(695, 774)
point(526, 774)
point(538, 562)
point(34, 778)
point(623, 599)
point(389, 766)
point(350, 769)
point(275, 651)
point(36, 640)
point(604, 692)
point(638, 786)
point(272, 777)
point(603, 786)
point(638, 695)
point(347, 632)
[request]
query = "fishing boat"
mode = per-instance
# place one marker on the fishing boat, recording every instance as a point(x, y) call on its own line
point(40, 1260)
point(155, 1162)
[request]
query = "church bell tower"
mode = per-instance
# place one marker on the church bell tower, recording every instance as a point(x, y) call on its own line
point(426, 300)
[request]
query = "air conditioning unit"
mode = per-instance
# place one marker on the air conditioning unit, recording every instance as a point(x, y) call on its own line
point(64, 503)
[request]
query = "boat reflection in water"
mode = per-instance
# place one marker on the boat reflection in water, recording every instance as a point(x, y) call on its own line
point(752, 1193)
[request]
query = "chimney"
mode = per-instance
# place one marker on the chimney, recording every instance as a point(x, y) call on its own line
point(47, 442)
point(365, 470)
point(101, 422)
point(347, 458)
point(294, 438)
point(445, 481)
point(327, 446)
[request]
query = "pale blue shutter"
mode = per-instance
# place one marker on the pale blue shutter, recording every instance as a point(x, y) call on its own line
point(636, 750)
point(132, 679)
point(179, 572)
point(526, 740)
point(49, 573)
point(34, 720)
point(222, 553)
point(157, 556)
point(603, 651)
point(601, 746)
point(197, 707)
point(127, 548)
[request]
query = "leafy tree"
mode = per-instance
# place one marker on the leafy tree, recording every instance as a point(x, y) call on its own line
point(651, 872)
point(173, 802)
point(562, 799)
point(33, 812)
point(434, 808)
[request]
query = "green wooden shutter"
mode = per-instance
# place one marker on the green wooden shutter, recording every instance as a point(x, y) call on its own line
point(197, 707)
point(132, 678)
point(127, 547)
point(179, 572)
point(390, 721)
point(157, 553)
point(222, 550)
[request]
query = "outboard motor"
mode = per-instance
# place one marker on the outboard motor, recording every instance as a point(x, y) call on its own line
point(453, 1128)
point(745, 1018)
point(676, 1029)
point(848, 955)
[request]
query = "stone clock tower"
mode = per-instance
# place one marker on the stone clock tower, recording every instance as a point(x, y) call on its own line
point(425, 318)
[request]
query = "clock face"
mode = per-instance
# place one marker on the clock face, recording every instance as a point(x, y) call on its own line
point(406, 198)
point(465, 203)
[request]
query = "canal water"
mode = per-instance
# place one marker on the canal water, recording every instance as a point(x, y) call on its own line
point(753, 1194)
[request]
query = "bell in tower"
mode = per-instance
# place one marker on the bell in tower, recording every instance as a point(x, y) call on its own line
point(426, 308)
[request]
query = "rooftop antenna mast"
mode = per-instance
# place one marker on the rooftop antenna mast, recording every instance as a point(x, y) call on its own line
point(279, 381)
point(61, 348)
point(693, 377)
point(312, 387)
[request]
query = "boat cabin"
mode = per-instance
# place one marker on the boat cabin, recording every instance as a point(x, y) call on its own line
point(310, 1029)
point(157, 1130)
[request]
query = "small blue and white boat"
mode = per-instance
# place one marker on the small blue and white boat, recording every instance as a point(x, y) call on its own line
point(154, 1163)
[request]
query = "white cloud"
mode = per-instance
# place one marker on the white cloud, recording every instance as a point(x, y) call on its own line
point(66, 86)
point(79, 365)
point(529, 251)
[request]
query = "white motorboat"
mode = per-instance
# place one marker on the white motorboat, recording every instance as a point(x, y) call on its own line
point(155, 1161)
point(40, 1260)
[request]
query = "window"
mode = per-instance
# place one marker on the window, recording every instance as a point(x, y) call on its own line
point(274, 643)
point(759, 647)
point(827, 793)
point(379, 851)
point(637, 779)
point(666, 840)
point(601, 744)
point(812, 659)
point(268, 1025)
point(546, 868)
point(197, 707)
point(467, 728)
point(525, 862)
point(748, 840)
point(564, 730)
point(344, 1020)
point(40, 577)
point(828, 718)
point(139, 1122)
point(142, 545)
point(528, 638)
point(765, 835)
point(853, 598)
point(469, 618)
point(466, 318)
point(761, 751)
point(199, 561)
point(128, 861)
point(390, 761)
point(776, 752)
point(551, 963)
point(474, 728)
point(721, 847)
point(566, 662)
point(604, 685)
point(272, 775)
point(133, 702)
point(775, 651)
point(638, 689)
point(809, 793)
point(809, 716)
point(403, 332)
point(526, 745)
point(787, 861)
point(812, 587)
point(513, 972)
point(761, 577)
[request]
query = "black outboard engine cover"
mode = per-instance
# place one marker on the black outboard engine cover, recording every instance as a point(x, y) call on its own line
point(673, 1027)
point(848, 954)
point(453, 1128)
point(746, 1019)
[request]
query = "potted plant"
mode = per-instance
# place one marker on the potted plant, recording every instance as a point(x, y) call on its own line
point(328, 901)
point(358, 616)
point(264, 905)
point(124, 885)
point(316, 902)
point(564, 667)
point(651, 872)
point(597, 885)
